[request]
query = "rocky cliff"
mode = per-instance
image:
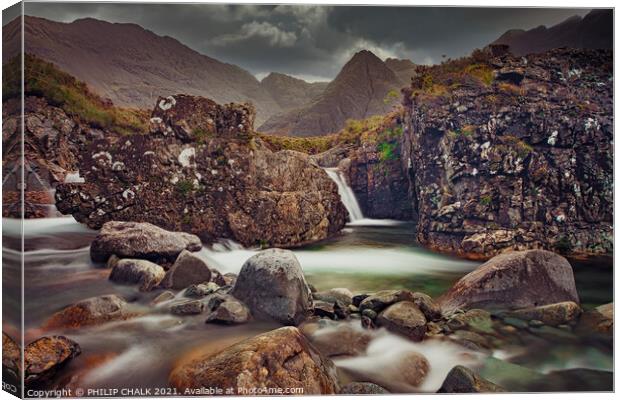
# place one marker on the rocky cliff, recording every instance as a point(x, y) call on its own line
point(513, 153)
point(201, 170)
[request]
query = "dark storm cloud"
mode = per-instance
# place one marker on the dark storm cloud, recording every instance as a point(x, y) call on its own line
point(313, 41)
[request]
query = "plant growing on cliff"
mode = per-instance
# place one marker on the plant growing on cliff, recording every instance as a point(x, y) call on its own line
point(486, 200)
point(387, 151)
point(184, 187)
point(62, 90)
point(391, 97)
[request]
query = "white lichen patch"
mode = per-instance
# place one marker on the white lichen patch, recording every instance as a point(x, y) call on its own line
point(102, 157)
point(553, 139)
point(128, 194)
point(592, 123)
point(156, 120)
point(186, 158)
point(118, 166)
point(167, 103)
point(560, 218)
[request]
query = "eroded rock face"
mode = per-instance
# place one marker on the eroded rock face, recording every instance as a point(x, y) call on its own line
point(93, 311)
point(271, 283)
point(518, 163)
point(145, 273)
point(292, 363)
point(220, 183)
point(44, 356)
point(514, 280)
point(140, 240)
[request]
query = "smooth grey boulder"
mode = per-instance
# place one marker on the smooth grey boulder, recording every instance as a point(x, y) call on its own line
point(404, 318)
point(145, 273)
point(140, 240)
point(514, 280)
point(271, 283)
point(188, 269)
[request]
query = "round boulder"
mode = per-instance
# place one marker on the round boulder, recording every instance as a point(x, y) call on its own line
point(281, 358)
point(140, 240)
point(271, 283)
point(93, 311)
point(142, 272)
point(514, 280)
point(404, 318)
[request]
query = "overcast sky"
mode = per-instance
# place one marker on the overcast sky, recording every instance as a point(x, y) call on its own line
point(313, 42)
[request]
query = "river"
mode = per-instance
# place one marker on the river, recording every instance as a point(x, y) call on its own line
point(368, 255)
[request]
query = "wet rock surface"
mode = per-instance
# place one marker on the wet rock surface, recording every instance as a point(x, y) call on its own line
point(292, 363)
point(272, 284)
point(463, 380)
point(552, 314)
point(93, 311)
point(140, 240)
point(599, 321)
point(362, 388)
point(144, 273)
point(188, 269)
point(404, 318)
point(215, 183)
point(45, 356)
point(514, 280)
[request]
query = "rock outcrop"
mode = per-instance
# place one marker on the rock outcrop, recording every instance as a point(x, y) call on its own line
point(140, 240)
point(514, 280)
point(272, 284)
point(276, 360)
point(515, 154)
point(201, 171)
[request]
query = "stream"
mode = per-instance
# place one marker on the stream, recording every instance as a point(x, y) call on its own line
point(368, 255)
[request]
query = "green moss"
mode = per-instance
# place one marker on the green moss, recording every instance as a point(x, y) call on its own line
point(184, 187)
point(387, 151)
point(486, 199)
point(62, 90)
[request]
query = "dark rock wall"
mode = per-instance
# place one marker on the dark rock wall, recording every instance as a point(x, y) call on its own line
point(524, 162)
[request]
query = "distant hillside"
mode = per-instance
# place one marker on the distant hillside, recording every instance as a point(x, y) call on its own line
point(290, 92)
point(404, 69)
point(594, 31)
point(360, 90)
point(133, 66)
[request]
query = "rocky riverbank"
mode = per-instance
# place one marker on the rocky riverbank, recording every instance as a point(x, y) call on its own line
point(534, 301)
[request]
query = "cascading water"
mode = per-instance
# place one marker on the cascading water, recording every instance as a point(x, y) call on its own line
point(346, 194)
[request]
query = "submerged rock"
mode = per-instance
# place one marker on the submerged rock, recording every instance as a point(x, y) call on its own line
point(461, 379)
point(145, 273)
point(514, 280)
point(551, 314)
point(45, 356)
point(92, 311)
point(188, 269)
point(162, 297)
point(404, 318)
point(281, 358)
point(189, 307)
point(598, 321)
point(412, 368)
point(362, 388)
point(342, 340)
point(272, 284)
point(140, 240)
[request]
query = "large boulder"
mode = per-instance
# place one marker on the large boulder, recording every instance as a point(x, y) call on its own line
point(140, 240)
point(45, 356)
point(275, 360)
point(145, 273)
point(188, 269)
point(514, 280)
point(200, 171)
point(272, 284)
point(92, 311)
point(463, 380)
point(404, 318)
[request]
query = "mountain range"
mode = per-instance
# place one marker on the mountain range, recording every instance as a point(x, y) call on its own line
point(133, 66)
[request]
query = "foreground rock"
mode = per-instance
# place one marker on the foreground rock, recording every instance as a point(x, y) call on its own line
point(93, 311)
point(198, 171)
point(552, 314)
point(188, 269)
point(362, 388)
point(463, 380)
point(45, 356)
point(404, 318)
point(599, 321)
point(11, 356)
point(272, 284)
point(282, 358)
point(145, 273)
point(514, 280)
point(140, 240)
point(342, 340)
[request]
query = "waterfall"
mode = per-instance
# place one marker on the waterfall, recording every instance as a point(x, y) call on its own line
point(346, 194)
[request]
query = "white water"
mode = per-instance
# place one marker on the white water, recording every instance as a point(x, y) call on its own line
point(346, 194)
